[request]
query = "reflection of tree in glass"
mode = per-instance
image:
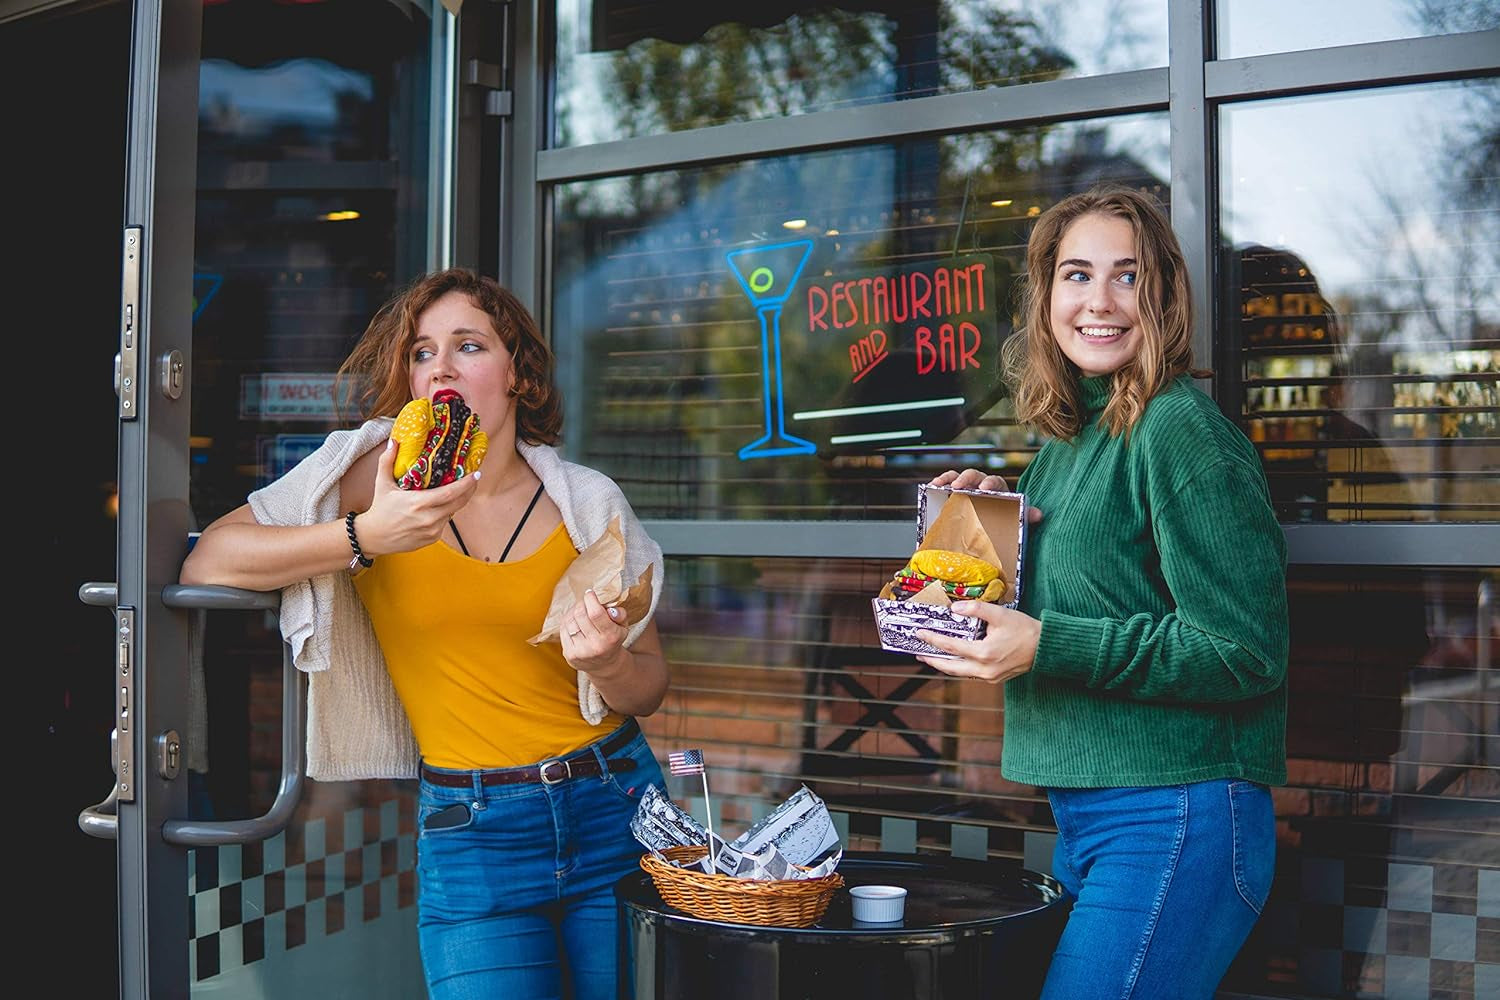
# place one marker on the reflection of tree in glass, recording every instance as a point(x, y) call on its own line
point(1432, 305)
point(1446, 17)
point(1451, 298)
point(735, 72)
point(821, 59)
point(1471, 144)
point(1114, 36)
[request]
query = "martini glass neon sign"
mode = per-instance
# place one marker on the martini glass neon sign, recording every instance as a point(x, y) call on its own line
point(767, 275)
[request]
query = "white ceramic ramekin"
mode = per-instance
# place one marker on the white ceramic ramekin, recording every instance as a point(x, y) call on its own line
point(878, 903)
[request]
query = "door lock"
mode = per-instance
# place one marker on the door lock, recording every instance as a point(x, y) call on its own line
point(130, 320)
point(124, 740)
point(168, 754)
point(172, 369)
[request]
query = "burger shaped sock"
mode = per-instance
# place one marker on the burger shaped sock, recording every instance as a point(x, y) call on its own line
point(961, 575)
point(437, 441)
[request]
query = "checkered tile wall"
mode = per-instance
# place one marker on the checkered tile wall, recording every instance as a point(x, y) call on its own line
point(1389, 929)
point(309, 882)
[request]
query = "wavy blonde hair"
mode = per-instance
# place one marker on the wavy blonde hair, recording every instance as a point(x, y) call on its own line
point(378, 369)
point(1044, 381)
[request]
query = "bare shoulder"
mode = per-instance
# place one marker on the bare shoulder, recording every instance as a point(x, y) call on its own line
point(357, 487)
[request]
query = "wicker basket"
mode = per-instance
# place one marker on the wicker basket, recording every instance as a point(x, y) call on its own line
point(772, 903)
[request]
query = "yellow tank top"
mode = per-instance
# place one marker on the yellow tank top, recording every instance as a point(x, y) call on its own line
point(453, 630)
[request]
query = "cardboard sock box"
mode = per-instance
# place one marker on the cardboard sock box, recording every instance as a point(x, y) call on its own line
point(1001, 527)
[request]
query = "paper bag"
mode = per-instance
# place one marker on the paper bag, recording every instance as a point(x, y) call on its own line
point(600, 568)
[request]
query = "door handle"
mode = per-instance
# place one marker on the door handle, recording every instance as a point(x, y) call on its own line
point(199, 833)
point(101, 820)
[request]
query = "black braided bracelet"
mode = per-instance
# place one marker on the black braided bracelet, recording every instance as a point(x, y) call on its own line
point(359, 553)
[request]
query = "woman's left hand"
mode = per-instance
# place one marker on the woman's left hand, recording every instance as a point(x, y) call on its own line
point(1006, 649)
point(591, 641)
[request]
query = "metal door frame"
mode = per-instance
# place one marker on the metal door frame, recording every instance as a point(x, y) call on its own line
point(147, 809)
point(160, 180)
point(155, 516)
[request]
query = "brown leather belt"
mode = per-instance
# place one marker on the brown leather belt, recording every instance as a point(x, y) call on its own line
point(583, 764)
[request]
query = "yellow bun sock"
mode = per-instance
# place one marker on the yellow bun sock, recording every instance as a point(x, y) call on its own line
point(410, 431)
point(955, 567)
point(478, 446)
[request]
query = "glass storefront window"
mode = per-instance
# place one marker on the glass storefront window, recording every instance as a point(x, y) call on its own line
point(778, 674)
point(630, 69)
point(311, 210)
point(1256, 27)
point(1386, 832)
point(1363, 233)
point(806, 337)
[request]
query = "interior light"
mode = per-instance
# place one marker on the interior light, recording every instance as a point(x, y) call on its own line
point(875, 436)
point(1000, 203)
point(831, 232)
point(794, 224)
point(1034, 211)
point(344, 216)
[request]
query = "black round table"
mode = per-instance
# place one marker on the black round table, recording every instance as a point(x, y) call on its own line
point(971, 929)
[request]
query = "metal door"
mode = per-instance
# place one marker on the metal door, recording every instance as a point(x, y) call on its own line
point(279, 184)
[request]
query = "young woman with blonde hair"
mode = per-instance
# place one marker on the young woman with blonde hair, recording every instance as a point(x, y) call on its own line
point(1145, 669)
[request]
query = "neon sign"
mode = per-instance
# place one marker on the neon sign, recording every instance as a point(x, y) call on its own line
point(897, 357)
point(767, 275)
point(205, 287)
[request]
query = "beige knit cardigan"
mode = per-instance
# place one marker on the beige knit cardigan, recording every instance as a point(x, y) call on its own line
point(356, 727)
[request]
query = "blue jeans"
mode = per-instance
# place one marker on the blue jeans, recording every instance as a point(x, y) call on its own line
point(515, 883)
point(1166, 884)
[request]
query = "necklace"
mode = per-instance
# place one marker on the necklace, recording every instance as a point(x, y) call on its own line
point(514, 535)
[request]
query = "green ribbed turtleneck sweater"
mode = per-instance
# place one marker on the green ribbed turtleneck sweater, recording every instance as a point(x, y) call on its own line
point(1158, 572)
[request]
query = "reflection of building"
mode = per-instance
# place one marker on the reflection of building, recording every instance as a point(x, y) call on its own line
point(1350, 427)
point(1322, 462)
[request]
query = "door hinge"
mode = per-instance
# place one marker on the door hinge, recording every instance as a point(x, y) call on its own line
point(489, 78)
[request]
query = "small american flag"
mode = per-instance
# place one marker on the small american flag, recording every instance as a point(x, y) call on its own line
point(685, 761)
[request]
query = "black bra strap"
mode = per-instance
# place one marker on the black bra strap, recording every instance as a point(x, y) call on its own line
point(517, 534)
point(460, 538)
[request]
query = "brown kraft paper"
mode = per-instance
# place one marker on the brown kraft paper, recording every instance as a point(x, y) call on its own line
point(601, 568)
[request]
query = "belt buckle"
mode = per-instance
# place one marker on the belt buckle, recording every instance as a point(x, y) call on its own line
point(542, 771)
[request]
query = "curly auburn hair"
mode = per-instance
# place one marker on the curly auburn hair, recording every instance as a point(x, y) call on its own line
point(1044, 380)
point(380, 363)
